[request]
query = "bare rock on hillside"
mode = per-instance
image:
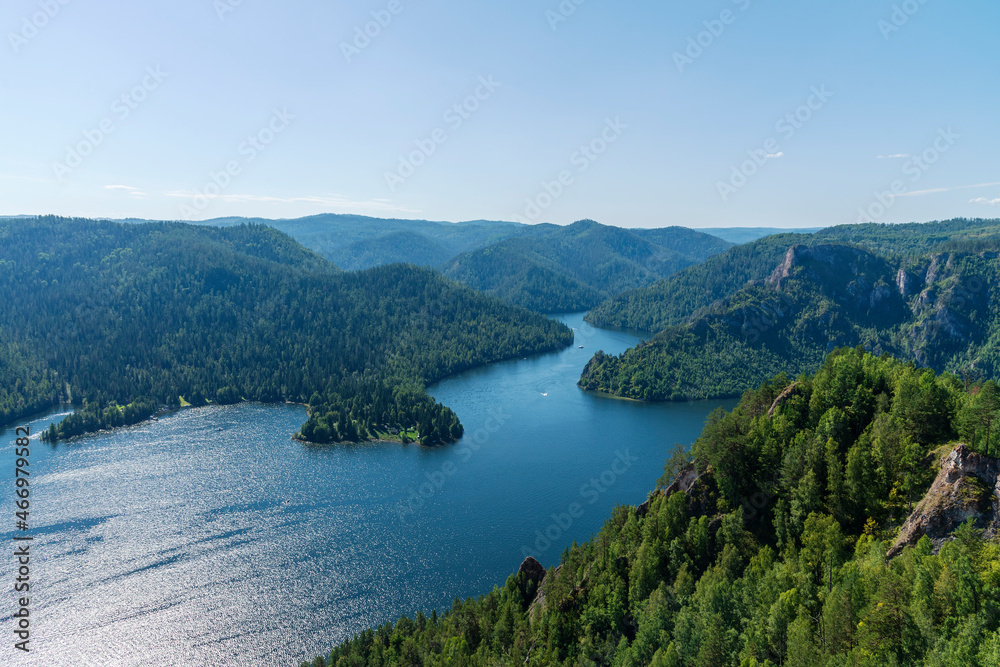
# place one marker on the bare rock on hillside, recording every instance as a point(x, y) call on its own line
point(968, 486)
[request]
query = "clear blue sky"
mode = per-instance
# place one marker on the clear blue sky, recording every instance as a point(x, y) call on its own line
point(229, 70)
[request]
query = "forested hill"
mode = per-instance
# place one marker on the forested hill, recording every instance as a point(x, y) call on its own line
point(918, 238)
point(562, 269)
point(779, 545)
point(356, 242)
point(770, 306)
point(673, 300)
point(122, 319)
point(546, 268)
point(939, 310)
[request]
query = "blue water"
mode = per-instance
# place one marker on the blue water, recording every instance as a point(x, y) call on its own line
point(210, 537)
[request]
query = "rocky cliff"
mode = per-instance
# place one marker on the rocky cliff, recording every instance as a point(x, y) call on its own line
point(967, 487)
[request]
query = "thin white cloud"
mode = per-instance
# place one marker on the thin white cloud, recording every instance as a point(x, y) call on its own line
point(984, 200)
point(126, 189)
point(934, 191)
point(893, 156)
point(771, 156)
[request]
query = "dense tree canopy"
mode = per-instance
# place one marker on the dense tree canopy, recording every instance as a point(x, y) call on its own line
point(122, 319)
point(563, 269)
point(547, 268)
point(775, 555)
point(673, 300)
point(936, 308)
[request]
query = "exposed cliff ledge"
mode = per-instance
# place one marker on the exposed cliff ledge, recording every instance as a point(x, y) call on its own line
point(784, 396)
point(968, 486)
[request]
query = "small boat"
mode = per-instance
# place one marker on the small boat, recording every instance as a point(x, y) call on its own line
point(581, 347)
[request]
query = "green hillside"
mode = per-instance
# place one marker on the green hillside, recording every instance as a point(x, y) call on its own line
point(357, 242)
point(936, 310)
point(918, 238)
point(546, 268)
point(122, 319)
point(921, 292)
point(673, 300)
point(778, 545)
point(560, 269)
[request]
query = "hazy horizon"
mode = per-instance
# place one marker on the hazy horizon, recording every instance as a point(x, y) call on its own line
point(733, 114)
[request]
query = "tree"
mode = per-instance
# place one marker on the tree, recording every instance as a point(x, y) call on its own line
point(978, 420)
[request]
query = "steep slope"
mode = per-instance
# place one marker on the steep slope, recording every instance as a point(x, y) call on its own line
point(556, 269)
point(124, 319)
point(967, 488)
point(935, 310)
point(770, 548)
point(673, 300)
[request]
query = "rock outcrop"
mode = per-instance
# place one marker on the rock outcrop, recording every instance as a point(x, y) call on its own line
point(968, 486)
point(684, 481)
point(906, 284)
point(858, 280)
point(789, 391)
point(532, 583)
point(532, 570)
point(537, 605)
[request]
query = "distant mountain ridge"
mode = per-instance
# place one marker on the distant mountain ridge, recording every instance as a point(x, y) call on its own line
point(357, 242)
point(547, 268)
point(575, 267)
point(740, 235)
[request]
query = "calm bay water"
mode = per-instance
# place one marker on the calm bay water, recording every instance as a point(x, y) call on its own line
point(210, 537)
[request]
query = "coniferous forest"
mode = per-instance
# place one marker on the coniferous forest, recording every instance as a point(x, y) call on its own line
point(920, 292)
point(357, 334)
point(773, 543)
point(121, 320)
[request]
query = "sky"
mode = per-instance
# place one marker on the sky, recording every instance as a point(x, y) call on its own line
point(722, 113)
